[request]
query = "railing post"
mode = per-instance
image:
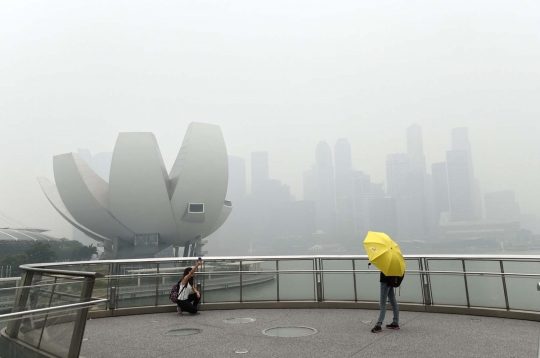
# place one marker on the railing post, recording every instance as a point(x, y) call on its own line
point(504, 286)
point(425, 282)
point(240, 281)
point(112, 298)
point(277, 278)
point(20, 303)
point(157, 285)
point(354, 281)
point(318, 280)
point(80, 319)
point(466, 285)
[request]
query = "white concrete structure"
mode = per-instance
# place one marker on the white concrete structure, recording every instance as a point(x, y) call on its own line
point(143, 209)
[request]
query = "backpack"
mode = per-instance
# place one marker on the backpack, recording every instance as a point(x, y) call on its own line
point(394, 281)
point(173, 296)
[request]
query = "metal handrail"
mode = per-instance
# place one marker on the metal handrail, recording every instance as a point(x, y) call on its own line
point(523, 258)
point(61, 272)
point(425, 272)
point(55, 308)
point(75, 281)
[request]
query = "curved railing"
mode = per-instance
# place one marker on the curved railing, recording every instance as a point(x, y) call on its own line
point(503, 286)
point(53, 300)
point(49, 312)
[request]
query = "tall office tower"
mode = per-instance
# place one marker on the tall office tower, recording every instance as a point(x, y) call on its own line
point(415, 149)
point(310, 184)
point(460, 141)
point(326, 195)
point(383, 216)
point(377, 190)
point(410, 202)
point(417, 181)
point(344, 189)
point(363, 195)
point(441, 200)
point(502, 205)
point(236, 189)
point(259, 173)
point(460, 185)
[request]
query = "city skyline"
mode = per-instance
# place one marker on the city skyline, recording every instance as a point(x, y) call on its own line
point(276, 77)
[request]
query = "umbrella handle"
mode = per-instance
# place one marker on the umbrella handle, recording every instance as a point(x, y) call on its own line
point(369, 264)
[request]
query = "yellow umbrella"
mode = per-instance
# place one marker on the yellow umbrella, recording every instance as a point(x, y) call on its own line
point(384, 253)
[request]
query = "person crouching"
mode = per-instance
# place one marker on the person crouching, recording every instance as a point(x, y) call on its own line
point(189, 297)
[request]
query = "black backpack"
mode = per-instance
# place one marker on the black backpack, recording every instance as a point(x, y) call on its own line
point(394, 281)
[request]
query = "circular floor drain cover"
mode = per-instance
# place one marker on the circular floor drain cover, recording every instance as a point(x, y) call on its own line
point(183, 332)
point(290, 331)
point(239, 320)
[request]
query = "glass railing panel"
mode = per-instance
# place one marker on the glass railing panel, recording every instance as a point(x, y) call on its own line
point(447, 289)
point(367, 284)
point(485, 291)
point(58, 332)
point(221, 282)
point(296, 286)
point(137, 284)
point(169, 274)
point(411, 290)
point(522, 292)
point(7, 295)
point(260, 286)
point(338, 286)
point(40, 296)
point(66, 290)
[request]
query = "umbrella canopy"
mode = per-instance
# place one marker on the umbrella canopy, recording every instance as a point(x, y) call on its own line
point(384, 253)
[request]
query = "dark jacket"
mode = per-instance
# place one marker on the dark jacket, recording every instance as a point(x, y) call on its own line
point(387, 279)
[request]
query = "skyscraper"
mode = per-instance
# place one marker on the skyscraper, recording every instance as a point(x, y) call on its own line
point(383, 216)
point(236, 189)
point(310, 184)
point(344, 188)
point(362, 202)
point(460, 185)
point(409, 200)
point(415, 149)
point(326, 195)
point(440, 189)
point(460, 141)
point(259, 173)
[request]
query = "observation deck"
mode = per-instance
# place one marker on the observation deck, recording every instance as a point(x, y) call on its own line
point(450, 306)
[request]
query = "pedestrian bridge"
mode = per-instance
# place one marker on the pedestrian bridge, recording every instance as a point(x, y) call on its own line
point(451, 306)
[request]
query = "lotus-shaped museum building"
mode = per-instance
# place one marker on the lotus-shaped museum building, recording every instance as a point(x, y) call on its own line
point(142, 209)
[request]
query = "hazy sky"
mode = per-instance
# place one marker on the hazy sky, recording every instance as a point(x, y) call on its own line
point(275, 75)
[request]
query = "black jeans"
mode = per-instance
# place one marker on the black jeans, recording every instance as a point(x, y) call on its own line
point(189, 305)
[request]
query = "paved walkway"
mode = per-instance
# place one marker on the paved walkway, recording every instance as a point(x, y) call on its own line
point(341, 333)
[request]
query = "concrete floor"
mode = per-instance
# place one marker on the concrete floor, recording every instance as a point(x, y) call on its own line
point(341, 333)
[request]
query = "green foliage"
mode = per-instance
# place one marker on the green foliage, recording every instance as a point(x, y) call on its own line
point(40, 252)
point(72, 250)
point(14, 261)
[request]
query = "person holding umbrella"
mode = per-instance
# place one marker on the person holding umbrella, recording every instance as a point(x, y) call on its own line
point(385, 254)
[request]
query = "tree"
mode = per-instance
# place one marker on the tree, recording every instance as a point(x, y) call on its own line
point(40, 252)
point(84, 253)
point(14, 261)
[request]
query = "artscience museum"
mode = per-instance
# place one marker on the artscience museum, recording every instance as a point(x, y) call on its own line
point(143, 210)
